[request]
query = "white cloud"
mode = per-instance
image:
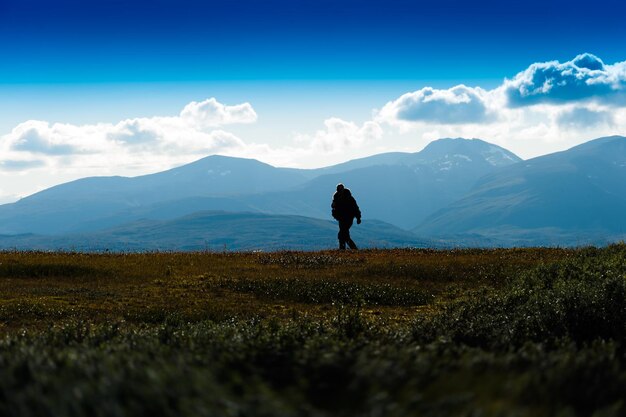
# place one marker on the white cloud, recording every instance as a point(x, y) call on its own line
point(584, 78)
point(166, 135)
point(210, 113)
point(456, 105)
point(40, 137)
point(340, 135)
point(135, 132)
point(21, 165)
point(142, 145)
point(584, 118)
point(585, 81)
point(7, 198)
point(136, 142)
point(550, 106)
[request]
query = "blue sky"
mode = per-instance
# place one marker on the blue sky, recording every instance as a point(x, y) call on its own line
point(297, 83)
point(70, 41)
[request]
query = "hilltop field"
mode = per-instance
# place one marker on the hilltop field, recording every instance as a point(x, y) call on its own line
point(502, 332)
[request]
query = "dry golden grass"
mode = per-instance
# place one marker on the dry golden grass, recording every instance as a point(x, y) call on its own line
point(525, 332)
point(40, 288)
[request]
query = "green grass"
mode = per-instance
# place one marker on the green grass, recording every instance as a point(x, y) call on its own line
point(324, 291)
point(523, 332)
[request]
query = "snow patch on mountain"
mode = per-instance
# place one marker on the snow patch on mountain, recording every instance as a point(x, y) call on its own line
point(497, 156)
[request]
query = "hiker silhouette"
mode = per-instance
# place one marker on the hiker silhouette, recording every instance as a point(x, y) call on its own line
point(345, 210)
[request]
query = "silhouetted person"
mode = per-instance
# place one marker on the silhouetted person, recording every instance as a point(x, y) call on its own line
point(345, 210)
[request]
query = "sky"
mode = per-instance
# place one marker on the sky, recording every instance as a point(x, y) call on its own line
point(119, 87)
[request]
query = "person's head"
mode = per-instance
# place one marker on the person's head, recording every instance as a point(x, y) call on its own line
point(340, 187)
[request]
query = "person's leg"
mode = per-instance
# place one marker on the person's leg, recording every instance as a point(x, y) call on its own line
point(349, 239)
point(344, 234)
point(342, 242)
point(344, 231)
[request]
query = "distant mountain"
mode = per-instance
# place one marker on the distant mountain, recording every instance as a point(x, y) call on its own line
point(577, 196)
point(219, 231)
point(392, 193)
point(388, 158)
point(214, 175)
point(442, 154)
point(398, 188)
point(462, 190)
point(448, 153)
point(72, 205)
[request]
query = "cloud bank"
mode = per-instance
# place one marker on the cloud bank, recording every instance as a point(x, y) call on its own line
point(456, 105)
point(585, 77)
point(211, 113)
point(549, 106)
point(195, 131)
point(339, 135)
point(584, 118)
point(585, 80)
point(137, 146)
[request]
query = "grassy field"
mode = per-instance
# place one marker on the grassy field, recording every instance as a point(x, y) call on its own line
point(506, 332)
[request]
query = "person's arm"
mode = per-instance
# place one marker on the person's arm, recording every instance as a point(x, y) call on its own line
point(357, 212)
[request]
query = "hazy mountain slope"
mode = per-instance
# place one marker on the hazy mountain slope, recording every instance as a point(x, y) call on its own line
point(393, 194)
point(221, 231)
point(446, 153)
point(402, 193)
point(580, 190)
point(165, 210)
point(211, 176)
point(216, 176)
point(388, 158)
point(399, 188)
point(69, 206)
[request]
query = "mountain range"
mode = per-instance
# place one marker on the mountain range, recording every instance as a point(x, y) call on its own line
point(399, 188)
point(453, 192)
point(578, 195)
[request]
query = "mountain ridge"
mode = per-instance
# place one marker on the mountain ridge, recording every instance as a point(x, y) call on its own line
point(246, 184)
point(462, 191)
point(580, 190)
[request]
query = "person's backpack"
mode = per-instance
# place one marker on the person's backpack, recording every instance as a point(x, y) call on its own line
point(335, 206)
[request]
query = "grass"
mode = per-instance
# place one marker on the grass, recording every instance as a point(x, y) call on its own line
point(524, 332)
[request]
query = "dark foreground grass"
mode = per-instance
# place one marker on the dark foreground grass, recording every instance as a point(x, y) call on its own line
point(538, 332)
